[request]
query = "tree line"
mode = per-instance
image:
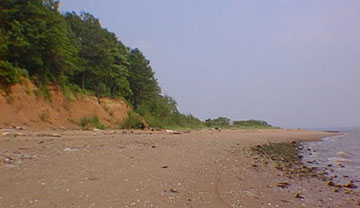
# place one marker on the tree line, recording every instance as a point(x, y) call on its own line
point(75, 52)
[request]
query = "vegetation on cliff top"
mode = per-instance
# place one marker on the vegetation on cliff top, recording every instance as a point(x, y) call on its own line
point(75, 52)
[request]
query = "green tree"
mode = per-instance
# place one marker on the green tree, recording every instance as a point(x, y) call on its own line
point(141, 78)
point(218, 122)
point(36, 38)
point(103, 65)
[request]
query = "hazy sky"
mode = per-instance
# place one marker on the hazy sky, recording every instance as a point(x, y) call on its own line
point(293, 63)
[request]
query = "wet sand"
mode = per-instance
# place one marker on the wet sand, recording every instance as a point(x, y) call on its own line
point(204, 168)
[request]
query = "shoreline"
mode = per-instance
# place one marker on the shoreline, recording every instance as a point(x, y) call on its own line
point(337, 172)
point(126, 168)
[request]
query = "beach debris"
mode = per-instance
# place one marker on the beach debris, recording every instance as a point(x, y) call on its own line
point(299, 196)
point(169, 131)
point(12, 134)
point(174, 191)
point(18, 128)
point(283, 185)
point(350, 185)
point(49, 135)
point(68, 149)
point(347, 192)
point(331, 183)
point(9, 160)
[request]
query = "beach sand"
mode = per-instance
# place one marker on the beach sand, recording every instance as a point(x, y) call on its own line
point(205, 168)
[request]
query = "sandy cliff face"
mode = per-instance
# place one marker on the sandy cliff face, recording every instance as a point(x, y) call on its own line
point(22, 107)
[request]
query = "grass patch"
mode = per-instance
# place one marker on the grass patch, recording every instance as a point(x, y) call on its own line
point(90, 122)
point(133, 121)
point(43, 91)
point(44, 116)
point(72, 91)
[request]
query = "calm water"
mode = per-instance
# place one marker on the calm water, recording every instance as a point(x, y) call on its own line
point(338, 156)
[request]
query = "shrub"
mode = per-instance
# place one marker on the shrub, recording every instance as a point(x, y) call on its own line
point(252, 123)
point(43, 91)
point(93, 121)
point(10, 74)
point(133, 121)
point(218, 122)
point(44, 116)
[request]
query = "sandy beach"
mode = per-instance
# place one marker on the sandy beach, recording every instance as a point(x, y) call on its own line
point(205, 168)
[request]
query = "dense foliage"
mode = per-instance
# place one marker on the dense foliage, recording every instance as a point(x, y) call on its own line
point(75, 52)
point(218, 122)
point(251, 123)
point(224, 122)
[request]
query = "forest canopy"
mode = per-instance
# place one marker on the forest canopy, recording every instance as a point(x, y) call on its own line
point(74, 51)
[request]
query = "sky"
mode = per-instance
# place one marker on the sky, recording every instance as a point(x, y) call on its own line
point(293, 63)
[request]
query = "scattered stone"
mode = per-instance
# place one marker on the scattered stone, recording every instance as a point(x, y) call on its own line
point(153, 146)
point(174, 191)
point(9, 160)
point(299, 196)
point(330, 183)
point(283, 185)
point(165, 166)
point(350, 185)
point(19, 128)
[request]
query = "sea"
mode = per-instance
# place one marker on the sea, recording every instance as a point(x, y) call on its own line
point(338, 156)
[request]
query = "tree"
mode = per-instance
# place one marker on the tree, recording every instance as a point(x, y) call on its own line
point(37, 39)
point(141, 78)
point(103, 65)
point(218, 122)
